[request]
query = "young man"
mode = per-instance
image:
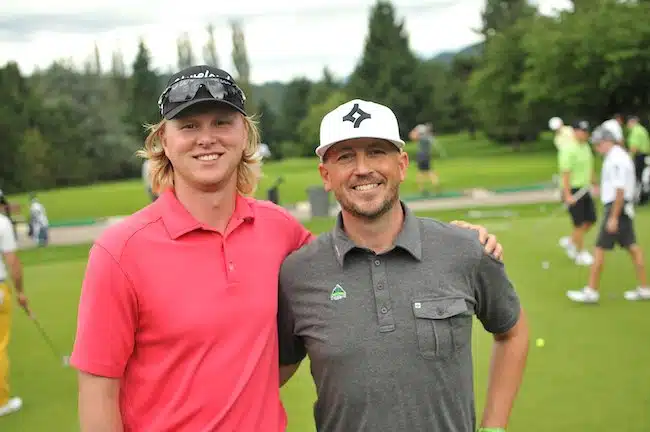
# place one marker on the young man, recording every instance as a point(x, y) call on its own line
point(617, 193)
point(576, 165)
point(383, 303)
point(177, 323)
point(10, 266)
point(638, 142)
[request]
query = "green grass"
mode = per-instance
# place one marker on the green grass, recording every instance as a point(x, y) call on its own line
point(592, 375)
point(470, 163)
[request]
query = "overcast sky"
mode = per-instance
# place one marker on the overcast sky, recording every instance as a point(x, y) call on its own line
point(285, 39)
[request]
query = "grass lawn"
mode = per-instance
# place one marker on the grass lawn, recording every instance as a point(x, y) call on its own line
point(592, 374)
point(468, 164)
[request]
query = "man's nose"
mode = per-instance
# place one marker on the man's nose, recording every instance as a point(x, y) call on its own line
point(362, 166)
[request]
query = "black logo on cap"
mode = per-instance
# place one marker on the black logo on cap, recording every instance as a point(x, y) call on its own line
point(362, 115)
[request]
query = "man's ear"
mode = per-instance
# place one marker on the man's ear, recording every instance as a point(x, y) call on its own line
point(325, 176)
point(403, 164)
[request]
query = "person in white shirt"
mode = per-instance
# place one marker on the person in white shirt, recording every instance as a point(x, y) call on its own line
point(9, 265)
point(38, 222)
point(615, 126)
point(617, 194)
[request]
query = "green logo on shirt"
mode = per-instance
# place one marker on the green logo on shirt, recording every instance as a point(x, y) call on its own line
point(338, 293)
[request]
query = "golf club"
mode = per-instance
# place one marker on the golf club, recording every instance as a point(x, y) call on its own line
point(65, 359)
point(579, 194)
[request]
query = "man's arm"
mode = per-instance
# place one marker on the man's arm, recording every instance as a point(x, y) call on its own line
point(291, 347)
point(500, 312)
point(508, 361)
point(617, 206)
point(8, 248)
point(99, 404)
point(105, 338)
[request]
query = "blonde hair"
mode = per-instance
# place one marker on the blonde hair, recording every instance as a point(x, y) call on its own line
point(161, 171)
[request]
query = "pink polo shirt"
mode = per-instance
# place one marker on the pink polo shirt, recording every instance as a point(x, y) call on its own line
point(186, 317)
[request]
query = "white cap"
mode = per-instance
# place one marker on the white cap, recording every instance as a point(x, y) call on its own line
point(555, 123)
point(358, 119)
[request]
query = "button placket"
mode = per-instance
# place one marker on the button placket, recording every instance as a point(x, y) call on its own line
point(383, 306)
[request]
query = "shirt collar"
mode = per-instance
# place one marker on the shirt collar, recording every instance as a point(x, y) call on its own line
point(408, 239)
point(179, 221)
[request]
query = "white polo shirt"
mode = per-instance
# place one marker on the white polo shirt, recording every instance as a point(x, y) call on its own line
point(617, 173)
point(7, 242)
point(615, 128)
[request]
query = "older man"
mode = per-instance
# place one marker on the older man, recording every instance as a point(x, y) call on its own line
point(383, 303)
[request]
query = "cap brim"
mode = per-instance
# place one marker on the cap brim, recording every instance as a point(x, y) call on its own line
point(321, 150)
point(179, 109)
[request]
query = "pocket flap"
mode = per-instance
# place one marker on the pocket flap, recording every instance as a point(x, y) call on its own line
point(439, 308)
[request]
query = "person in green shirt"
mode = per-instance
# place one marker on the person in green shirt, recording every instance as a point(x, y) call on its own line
point(576, 165)
point(638, 142)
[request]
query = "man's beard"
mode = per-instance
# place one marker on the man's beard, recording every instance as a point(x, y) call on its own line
point(373, 214)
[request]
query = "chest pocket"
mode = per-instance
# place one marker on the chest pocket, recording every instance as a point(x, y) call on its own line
point(443, 326)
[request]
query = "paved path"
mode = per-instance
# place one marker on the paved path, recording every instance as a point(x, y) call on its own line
point(476, 198)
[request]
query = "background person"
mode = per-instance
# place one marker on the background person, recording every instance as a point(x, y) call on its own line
point(615, 126)
point(576, 165)
point(423, 134)
point(638, 142)
point(617, 194)
point(10, 267)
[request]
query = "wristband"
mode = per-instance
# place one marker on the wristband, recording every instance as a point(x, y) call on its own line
point(491, 430)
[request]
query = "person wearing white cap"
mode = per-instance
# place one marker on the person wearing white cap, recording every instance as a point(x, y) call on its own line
point(563, 133)
point(383, 303)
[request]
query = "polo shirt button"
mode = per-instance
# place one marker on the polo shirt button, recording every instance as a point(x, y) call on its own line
point(231, 266)
point(384, 310)
point(380, 286)
point(377, 262)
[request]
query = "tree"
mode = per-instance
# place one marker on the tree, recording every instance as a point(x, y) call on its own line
point(144, 93)
point(241, 63)
point(184, 51)
point(210, 56)
point(498, 15)
point(294, 108)
point(388, 70)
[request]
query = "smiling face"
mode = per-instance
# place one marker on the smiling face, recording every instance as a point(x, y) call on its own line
point(364, 174)
point(205, 145)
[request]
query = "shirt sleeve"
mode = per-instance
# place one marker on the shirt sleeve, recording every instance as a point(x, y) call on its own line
point(498, 304)
point(107, 317)
point(7, 239)
point(292, 348)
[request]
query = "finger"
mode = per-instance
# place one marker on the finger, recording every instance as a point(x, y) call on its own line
point(490, 243)
point(498, 252)
point(483, 234)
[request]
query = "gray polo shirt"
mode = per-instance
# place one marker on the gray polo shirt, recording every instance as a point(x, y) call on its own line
point(389, 336)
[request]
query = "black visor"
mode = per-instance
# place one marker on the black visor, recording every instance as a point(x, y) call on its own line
point(187, 92)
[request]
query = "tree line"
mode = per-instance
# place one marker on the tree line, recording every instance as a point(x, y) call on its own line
point(65, 126)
